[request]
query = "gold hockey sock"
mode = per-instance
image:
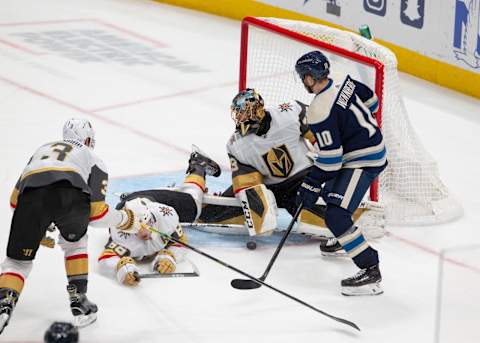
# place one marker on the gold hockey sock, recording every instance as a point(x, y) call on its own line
point(76, 267)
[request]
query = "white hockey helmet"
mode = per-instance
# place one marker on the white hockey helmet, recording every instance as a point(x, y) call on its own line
point(159, 217)
point(79, 130)
point(140, 208)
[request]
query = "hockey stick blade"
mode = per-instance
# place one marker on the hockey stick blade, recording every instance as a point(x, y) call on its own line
point(194, 273)
point(168, 275)
point(244, 284)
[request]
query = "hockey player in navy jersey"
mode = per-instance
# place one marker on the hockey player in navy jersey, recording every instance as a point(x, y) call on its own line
point(351, 154)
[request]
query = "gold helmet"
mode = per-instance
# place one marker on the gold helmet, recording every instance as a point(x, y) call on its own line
point(247, 111)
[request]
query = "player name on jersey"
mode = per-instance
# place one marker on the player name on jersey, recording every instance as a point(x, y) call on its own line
point(345, 94)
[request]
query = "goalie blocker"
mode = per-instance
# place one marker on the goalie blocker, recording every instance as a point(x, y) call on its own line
point(260, 209)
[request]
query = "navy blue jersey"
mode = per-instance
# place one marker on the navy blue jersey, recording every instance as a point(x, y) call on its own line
point(347, 133)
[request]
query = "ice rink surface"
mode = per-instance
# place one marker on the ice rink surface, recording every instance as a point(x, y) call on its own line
point(168, 83)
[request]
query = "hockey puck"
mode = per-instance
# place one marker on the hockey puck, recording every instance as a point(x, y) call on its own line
point(251, 245)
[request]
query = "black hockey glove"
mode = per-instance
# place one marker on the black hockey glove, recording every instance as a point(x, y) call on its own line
point(308, 192)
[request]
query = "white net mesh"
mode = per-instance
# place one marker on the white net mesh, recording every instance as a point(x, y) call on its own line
point(410, 187)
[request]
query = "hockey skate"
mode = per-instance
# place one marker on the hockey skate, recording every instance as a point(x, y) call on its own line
point(330, 247)
point(83, 310)
point(365, 282)
point(8, 299)
point(198, 159)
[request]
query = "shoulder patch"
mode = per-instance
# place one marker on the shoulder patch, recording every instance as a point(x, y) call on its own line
point(166, 211)
point(286, 106)
point(123, 235)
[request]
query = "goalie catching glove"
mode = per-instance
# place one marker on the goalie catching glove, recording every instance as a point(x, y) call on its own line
point(260, 209)
point(127, 271)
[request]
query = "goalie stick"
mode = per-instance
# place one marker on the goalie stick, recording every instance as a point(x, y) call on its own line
point(226, 265)
point(250, 284)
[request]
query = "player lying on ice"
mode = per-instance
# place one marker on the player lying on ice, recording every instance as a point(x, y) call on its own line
point(269, 156)
point(163, 210)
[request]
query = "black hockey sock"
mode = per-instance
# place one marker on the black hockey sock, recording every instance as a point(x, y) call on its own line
point(197, 170)
point(80, 285)
point(366, 259)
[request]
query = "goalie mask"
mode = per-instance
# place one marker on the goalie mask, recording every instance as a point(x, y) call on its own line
point(79, 130)
point(247, 111)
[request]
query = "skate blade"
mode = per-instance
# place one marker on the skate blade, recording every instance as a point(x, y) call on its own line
point(370, 289)
point(84, 320)
point(340, 253)
point(3, 321)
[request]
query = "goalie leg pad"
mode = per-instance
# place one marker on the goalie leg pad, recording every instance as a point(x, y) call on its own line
point(313, 224)
point(371, 222)
point(260, 209)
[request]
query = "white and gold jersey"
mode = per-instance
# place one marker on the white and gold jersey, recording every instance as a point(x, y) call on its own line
point(66, 160)
point(272, 157)
point(165, 220)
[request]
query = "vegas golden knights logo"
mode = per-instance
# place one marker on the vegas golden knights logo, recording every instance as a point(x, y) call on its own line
point(279, 161)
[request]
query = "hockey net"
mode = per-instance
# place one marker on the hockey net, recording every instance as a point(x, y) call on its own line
point(410, 188)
